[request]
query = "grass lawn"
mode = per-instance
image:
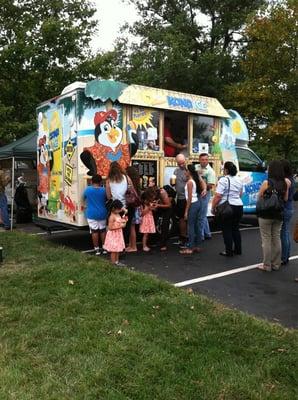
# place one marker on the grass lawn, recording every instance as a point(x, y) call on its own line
point(74, 327)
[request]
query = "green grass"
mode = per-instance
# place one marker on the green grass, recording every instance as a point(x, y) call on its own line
point(74, 327)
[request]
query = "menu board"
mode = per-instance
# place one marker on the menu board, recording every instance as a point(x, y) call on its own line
point(147, 171)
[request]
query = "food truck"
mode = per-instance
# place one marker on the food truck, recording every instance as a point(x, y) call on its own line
point(90, 125)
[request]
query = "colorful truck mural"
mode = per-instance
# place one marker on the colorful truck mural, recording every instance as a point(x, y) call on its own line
point(83, 130)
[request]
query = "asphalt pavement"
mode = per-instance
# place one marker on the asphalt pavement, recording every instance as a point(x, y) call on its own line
point(233, 281)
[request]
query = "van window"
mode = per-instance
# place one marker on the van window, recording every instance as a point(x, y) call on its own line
point(248, 160)
point(203, 132)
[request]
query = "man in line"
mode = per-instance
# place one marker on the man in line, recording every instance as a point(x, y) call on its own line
point(4, 180)
point(170, 146)
point(179, 179)
point(96, 213)
point(208, 174)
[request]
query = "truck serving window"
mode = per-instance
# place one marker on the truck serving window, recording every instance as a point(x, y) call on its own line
point(248, 160)
point(146, 123)
point(203, 132)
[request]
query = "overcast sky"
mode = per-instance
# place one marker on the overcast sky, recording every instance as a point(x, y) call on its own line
point(111, 14)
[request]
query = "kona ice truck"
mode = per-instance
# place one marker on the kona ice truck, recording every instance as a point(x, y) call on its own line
point(89, 125)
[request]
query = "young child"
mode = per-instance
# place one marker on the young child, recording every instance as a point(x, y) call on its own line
point(114, 241)
point(147, 224)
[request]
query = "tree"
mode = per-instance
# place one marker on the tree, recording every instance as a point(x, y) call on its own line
point(268, 95)
point(186, 45)
point(41, 45)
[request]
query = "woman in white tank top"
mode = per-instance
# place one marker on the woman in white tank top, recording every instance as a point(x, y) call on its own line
point(195, 188)
point(116, 184)
point(116, 187)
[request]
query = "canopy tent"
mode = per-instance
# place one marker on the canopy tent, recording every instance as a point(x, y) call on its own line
point(24, 148)
point(21, 148)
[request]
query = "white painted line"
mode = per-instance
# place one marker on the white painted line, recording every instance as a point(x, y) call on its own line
point(241, 229)
point(221, 274)
point(51, 233)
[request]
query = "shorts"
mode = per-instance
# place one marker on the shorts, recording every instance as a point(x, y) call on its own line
point(180, 208)
point(96, 225)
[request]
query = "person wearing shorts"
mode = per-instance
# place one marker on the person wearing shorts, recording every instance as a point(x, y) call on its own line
point(96, 213)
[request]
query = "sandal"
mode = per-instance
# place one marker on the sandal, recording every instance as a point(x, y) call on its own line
point(130, 250)
point(146, 249)
point(164, 248)
point(186, 251)
point(263, 267)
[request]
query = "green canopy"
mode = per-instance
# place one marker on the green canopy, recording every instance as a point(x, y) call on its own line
point(21, 148)
point(104, 89)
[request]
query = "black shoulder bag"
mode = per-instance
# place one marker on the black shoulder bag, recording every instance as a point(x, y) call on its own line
point(224, 211)
point(271, 205)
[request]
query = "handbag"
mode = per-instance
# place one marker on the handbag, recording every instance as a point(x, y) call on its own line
point(270, 205)
point(132, 198)
point(295, 233)
point(224, 211)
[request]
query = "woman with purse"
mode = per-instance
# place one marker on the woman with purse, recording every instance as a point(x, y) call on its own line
point(228, 192)
point(270, 218)
point(134, 176)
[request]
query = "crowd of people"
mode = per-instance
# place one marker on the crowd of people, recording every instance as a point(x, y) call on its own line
point(115, 223)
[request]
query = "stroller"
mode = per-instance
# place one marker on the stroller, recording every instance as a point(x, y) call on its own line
point(24, 209)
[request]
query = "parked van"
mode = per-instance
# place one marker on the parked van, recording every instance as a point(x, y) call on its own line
point(89, 125)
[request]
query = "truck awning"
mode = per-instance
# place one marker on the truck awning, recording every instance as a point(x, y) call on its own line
point(104, 89)
point(145, 96)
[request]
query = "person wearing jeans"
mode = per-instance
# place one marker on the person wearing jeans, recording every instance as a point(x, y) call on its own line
point(195, 219)
point(206, 233)
point(195, 188)
point(208, 174)
point(287, 215)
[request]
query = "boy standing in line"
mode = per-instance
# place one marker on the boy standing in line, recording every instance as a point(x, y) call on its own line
point(96, 213)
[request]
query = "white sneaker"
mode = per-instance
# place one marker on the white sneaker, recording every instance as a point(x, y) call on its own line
point(120, 264)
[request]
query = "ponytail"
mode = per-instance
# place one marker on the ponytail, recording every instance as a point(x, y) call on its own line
point(195, 177)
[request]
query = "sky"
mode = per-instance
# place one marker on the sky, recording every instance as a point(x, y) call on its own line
point(111, 14)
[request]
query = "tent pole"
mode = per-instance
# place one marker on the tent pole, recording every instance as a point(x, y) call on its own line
point(12, 194)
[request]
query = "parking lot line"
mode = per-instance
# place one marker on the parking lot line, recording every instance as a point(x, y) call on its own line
point(52, 233)
point(221, 274)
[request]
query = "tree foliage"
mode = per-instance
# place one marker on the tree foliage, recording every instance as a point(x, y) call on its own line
point(187, 45)
point(269, 93)
point(41, 45)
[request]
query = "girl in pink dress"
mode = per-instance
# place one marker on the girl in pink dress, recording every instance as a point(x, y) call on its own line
point(114, 241)
point(147, 224)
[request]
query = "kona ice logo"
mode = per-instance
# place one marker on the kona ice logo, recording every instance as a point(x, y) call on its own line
point(250, 195)
point(252, 187)
point(187, 104)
